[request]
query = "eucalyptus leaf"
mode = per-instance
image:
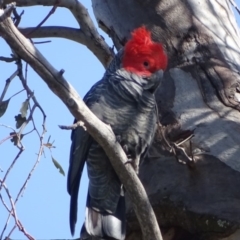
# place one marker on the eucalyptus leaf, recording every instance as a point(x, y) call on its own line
point(3, 107)
point(24, 108)
point(58, 166)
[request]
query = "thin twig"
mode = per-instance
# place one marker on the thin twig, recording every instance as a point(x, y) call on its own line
point(10, 233)
point(45, 19)
point(73, 126)
point(6, 126)
point(235, 5)
point(8, 137)
point(14, 214)
point(8, 59)
point(11, 201)
point(42, 42)
point(8, 81)
point(24, 82)
point(34, 166)
point(7, 221)
point(29, 92)
point(17, 17)
point(11, 166)
point(4, 204)
point(15, 94)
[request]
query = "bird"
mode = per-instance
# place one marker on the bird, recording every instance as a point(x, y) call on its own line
point(124, 99)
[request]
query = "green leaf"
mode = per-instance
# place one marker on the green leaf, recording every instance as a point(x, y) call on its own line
point(3, 107)
point(58, 166)
point(19, 120)
point(24, 108)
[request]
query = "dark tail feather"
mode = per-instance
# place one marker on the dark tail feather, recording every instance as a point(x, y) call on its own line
point(105, 225)
point(73, 210)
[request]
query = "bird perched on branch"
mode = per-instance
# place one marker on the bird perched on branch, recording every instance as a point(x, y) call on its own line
point(123, 99)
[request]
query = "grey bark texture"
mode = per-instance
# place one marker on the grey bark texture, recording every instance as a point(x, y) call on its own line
point(199, 94)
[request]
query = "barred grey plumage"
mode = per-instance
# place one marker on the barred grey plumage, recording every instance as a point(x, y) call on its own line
point(126, 102)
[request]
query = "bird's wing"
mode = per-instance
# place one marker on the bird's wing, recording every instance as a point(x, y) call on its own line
point(81, 142)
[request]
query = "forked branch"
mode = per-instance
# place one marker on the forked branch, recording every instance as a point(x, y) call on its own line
point(88, 34)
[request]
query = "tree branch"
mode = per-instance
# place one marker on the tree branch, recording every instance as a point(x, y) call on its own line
point(73, 34)
point(94, 41)
point(100, 131)
point(235, 5)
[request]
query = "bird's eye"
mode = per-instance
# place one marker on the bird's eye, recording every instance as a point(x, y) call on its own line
point(146, 64)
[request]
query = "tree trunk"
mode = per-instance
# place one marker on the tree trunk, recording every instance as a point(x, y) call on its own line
point(199, 95)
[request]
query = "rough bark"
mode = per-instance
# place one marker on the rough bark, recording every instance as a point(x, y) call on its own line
point(200, 93)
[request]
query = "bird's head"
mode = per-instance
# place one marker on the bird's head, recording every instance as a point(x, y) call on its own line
point(142, 55)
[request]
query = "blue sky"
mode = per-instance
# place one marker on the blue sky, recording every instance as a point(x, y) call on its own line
point(44, 207)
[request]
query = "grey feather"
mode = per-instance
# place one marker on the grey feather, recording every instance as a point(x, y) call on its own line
point(126, 102)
